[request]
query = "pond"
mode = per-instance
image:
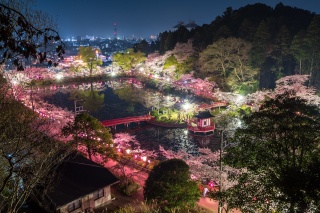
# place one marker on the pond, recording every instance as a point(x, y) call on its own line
point(123, 99)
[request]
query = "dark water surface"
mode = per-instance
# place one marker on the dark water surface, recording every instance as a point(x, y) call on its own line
point(149, 136)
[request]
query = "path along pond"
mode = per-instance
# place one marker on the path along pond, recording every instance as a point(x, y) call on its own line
point(123, 98)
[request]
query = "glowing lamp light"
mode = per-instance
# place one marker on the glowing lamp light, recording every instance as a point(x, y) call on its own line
point(128, 151)
point(144, 158)
point(59, 76)
point(135, 156)
point(168, 79)
point(119, 150)
point(149, 161)
point(113, 74)
point(211, 184)
point(155, 76)
point(14, 82)
point(185, 132)
point(186, 106)
point(141, 69)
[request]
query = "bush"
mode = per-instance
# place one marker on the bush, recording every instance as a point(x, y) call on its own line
point(129, 188)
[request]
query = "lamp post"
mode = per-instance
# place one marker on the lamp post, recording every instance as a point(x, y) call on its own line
point(220, 174)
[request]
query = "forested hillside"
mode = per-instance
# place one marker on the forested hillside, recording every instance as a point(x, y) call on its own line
point(249, 48)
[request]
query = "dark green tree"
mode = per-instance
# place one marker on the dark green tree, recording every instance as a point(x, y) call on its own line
point(260, 45)
point(90, 133)
point(299, 50)
point(278, 153)
point(281, 51)
point(143, 47)
point(170, 185)
point(313, 40)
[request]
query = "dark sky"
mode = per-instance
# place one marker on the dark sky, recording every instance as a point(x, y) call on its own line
point(143, 18)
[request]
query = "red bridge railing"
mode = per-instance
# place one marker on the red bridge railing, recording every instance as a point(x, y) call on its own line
point(127, 120)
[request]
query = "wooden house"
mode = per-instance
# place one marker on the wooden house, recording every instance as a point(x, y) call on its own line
point(82, 186)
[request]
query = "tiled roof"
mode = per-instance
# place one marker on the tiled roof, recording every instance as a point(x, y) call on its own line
point(78, 177)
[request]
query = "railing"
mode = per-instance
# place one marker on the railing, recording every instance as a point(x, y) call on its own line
point(126, 120)
point(201, 129)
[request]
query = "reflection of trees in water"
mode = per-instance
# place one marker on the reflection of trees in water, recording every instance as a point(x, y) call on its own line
point(92, 100)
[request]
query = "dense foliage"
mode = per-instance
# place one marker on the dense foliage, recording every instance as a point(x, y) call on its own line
point(169, 184)
point(91, 134)
point(89, 56)
point(277, 42)
point(129, 59)
point(278, 152)
point(27, 154)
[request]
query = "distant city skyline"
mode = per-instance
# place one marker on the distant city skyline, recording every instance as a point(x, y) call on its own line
point(141, 18)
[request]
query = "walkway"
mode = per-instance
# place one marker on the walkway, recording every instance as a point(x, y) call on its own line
point(126, 121)
point(140, 177)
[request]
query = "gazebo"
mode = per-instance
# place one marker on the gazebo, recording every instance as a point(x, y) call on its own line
point(202, 124)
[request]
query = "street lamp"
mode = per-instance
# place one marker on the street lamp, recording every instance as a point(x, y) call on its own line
point(186, 106)
point(220, 174)
point(222, 146)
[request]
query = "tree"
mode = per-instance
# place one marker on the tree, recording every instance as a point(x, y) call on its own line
point(313, 42)
point(89, 132)
point(169, 183)
point(260, 47)
point(89, 56)
point(227, 62)
point(299, 50)
point(27, 154)
point(129, 59)
point(278, 153)
point(20, 38)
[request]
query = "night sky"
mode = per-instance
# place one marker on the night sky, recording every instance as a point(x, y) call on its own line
point(142, 18)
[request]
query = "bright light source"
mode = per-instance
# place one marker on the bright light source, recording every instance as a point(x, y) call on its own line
point(155, 76)
point(113, 74)
point(141, 69)
point(128, 151)
point(144, 158)
point(59, 76)
point(240, 98)
point(185, 132)
point(168, 79)
point(186, 106)
point(14, 82)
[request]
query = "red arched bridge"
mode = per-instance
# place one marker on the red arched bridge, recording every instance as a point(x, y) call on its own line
point(126, 121)
point(211, 106)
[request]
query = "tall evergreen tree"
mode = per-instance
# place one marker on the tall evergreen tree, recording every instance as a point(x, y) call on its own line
point(278, 152)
